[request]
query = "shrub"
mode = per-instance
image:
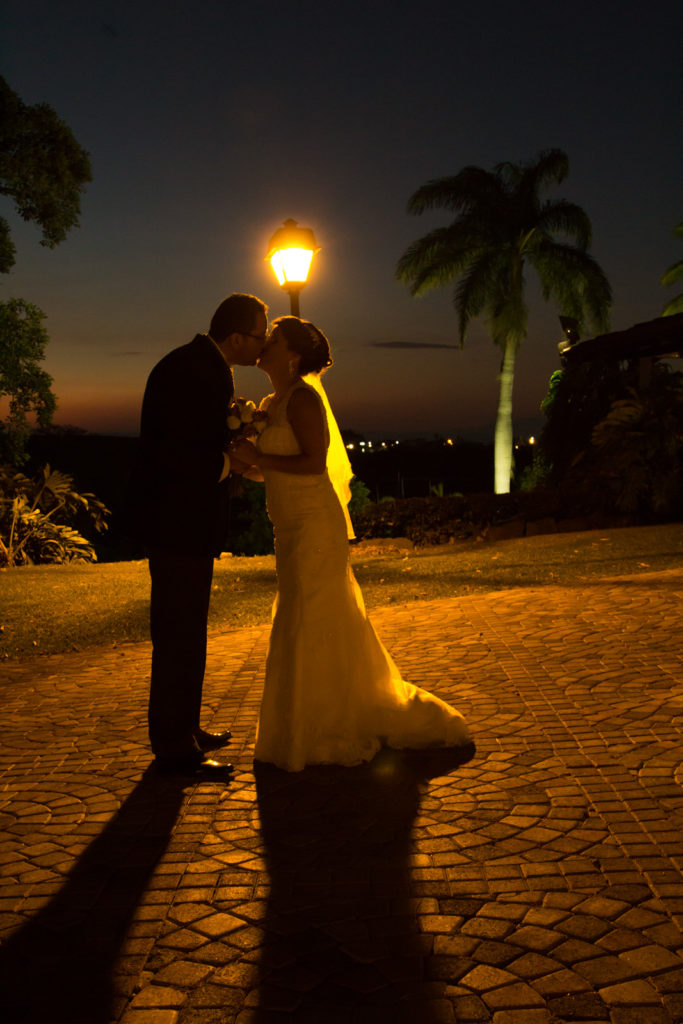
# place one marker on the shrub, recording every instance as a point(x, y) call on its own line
point(360, 496)
point(637, 450)
point(251, 531)
point(39, 516)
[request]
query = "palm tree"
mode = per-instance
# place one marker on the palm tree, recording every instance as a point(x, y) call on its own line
point(501, 224)
point(670, 276)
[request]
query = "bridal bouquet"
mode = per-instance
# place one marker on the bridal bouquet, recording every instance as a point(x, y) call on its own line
point(245, 420)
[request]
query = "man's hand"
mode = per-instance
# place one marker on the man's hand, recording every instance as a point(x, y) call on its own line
point(236, 465)
point(244, 453)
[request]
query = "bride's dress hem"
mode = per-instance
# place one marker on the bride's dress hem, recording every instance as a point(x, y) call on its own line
point(463, 751)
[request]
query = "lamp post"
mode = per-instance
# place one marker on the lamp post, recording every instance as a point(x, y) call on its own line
point(290, 252)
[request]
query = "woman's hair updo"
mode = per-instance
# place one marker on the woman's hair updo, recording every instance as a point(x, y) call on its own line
point(307, 341)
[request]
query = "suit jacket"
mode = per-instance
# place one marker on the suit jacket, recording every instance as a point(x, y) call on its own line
point(175, 499)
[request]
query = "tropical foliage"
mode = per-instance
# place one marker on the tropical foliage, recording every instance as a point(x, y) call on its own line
point(40, 518)
point(670, 276)
point(23, 340)
point(615, 445)
point(501, 225)
point(638, 449)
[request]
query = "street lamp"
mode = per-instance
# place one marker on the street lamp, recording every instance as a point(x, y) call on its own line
point(290, 252)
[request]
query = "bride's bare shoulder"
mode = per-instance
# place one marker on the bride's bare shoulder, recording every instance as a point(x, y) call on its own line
point(303, 397)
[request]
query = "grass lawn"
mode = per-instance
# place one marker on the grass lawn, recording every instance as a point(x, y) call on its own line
point(51, 608)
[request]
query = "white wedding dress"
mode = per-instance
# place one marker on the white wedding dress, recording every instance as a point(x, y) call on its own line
point(332, 693)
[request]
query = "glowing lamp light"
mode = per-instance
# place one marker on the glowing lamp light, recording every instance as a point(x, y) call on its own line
point(290, 252)
point(291, 266)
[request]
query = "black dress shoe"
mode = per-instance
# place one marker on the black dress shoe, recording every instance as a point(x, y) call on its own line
point(211, 740)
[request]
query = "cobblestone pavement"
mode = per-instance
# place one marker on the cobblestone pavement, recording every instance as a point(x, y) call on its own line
point(538, 883)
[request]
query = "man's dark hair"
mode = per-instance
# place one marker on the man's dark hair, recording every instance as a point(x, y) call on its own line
point(236, 313)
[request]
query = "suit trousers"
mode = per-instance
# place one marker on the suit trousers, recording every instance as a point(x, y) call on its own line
point(179, 608)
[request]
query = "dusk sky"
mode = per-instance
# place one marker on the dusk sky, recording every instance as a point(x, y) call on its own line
point(210, 123)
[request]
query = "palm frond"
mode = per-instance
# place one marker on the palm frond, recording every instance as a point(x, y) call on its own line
point(672, 274)
point(568, 219)
point(674, 306)
point(550, 167)
point(435, 259)
point(479, 289)
point(575, 280)
point(471, 187)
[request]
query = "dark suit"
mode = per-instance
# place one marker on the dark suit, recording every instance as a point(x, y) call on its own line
point(179, 510)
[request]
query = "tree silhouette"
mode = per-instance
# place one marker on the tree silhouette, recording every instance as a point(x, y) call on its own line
point(501, 224)
point(43, 169)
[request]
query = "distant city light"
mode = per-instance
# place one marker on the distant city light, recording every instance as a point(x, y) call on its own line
point(350, 446)
point(532, 440)
point(449, 441)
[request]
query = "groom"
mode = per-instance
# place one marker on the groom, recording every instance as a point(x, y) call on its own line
point(179, 510)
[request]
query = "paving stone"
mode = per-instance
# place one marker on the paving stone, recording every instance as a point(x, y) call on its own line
point(533, 965)
point(483, 978)
point(219, 996)
point(651, 959)
point(605, 970)
point(497, 953)
point(513, 996)
point(455, 945)
point(641, 1015)
point(442, 923)
point(525, 1016)
point(216, 925)
point(579, 1006)
point(583, 926)
point(666, 934)
point(630, 992)
point(531, 937)
point(150, 1017)
point(183, 973)
point(470, 1009)
point(486, 927)
point(158, 997)
point(669, 981)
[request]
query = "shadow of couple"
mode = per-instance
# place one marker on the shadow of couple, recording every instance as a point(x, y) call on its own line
point(343, 941)
point(341, 930)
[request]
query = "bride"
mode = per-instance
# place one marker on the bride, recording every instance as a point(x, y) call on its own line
point(332, 694)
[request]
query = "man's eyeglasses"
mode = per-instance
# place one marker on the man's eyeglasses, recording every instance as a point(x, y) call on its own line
point(259, 337)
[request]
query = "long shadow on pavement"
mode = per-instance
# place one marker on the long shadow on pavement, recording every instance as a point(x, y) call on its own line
point(343, 942)
point(59, 966)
